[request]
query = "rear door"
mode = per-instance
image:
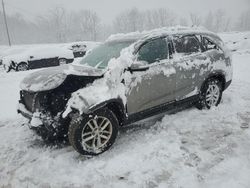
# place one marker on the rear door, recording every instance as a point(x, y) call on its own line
point(154, 84)
point(188, 61)
point(212, 49)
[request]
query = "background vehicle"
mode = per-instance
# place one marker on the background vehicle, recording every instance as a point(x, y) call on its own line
point(168, 70)
point(6, 51)
point(79, 50)
point(37, 57)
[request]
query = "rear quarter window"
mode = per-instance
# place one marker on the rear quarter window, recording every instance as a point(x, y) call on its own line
point(209, 44)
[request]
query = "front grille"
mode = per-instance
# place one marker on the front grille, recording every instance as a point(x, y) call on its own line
point(28, 100)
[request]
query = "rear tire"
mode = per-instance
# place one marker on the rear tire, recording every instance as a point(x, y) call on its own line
point(22, 67)
point(95, 133)
point(211, 94)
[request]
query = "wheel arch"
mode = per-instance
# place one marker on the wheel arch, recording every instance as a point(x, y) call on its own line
point(22, 62)
point(116, 106)
point(216, 75)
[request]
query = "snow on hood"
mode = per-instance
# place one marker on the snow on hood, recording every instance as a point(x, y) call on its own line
point(51, 78)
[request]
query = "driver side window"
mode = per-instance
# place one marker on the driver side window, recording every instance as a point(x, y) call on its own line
point(154, 51)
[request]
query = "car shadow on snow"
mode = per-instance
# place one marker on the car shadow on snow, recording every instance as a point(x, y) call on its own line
point(124, 131)
point(125, 134)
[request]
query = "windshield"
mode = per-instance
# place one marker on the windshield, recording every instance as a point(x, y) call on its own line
point(100, 56)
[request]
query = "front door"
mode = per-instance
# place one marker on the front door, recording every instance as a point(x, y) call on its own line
point(154, 84)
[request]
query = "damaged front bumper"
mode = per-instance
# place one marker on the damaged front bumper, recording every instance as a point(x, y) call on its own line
point(44, 125)
point(21, 109)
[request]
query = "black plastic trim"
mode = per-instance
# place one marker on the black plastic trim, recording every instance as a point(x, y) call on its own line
point(227, 84)
point(171, 107)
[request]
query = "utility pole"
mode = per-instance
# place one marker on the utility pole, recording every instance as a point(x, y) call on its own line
point(6, 25)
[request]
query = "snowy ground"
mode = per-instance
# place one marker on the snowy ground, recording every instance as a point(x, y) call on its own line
point(192, 148)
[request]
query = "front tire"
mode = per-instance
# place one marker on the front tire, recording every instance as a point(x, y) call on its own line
point(95, 133)
point(211, 94)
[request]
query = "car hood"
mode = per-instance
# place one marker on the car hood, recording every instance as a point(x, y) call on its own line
point(51, 78)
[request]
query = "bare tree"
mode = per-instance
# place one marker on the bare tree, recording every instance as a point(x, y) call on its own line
point(183, 22)
point(209, 21)
point(128, 21)
point(166, 17)
point(243, 22)
point(89, 23)
point(221, 22)
point(195, 19)
point(57, 19)
point(134, 20)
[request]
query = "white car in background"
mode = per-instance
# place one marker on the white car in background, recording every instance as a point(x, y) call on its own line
point(80, 48)
point(37, 57)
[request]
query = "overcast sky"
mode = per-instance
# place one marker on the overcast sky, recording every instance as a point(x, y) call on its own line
point(108, 9)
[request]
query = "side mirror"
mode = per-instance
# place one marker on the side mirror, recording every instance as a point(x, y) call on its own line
point(139, 66)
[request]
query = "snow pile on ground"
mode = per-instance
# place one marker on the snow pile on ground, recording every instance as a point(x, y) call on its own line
point(237, 41)
point(192, 148)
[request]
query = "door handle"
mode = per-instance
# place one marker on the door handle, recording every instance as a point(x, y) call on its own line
point(202, 57)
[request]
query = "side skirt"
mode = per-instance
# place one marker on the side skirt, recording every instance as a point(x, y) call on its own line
point(167, 108)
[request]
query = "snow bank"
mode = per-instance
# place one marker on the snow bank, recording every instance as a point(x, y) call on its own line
point(237, 41)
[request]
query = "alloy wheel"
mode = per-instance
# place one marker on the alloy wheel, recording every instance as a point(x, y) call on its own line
point(22, 67)
point(212, 95)
point(96, 134)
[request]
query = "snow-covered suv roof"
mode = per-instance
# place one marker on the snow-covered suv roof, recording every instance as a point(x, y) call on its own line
point(180, 30)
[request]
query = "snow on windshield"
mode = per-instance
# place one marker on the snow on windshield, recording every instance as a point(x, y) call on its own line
point(101, 55)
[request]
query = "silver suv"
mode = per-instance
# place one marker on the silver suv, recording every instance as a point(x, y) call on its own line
point(126, 79)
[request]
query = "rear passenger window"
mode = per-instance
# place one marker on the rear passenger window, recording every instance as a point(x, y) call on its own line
point(154, 51)
point(208, 44)
point(186, 44)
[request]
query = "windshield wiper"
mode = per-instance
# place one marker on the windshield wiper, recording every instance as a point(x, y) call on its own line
point(98, 64)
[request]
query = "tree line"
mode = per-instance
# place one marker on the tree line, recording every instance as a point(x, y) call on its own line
point(59, 25)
